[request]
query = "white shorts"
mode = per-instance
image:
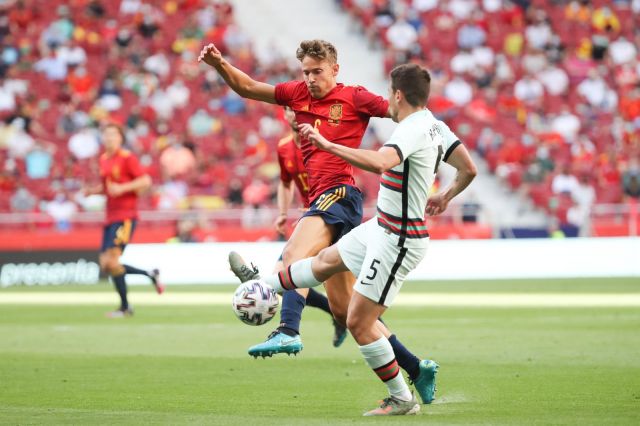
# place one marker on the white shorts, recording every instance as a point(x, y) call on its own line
point(373, 255)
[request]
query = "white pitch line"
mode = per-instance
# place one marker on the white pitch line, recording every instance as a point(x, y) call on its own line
point(505, 300)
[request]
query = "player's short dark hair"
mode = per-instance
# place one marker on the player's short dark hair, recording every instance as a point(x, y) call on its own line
point(317, 49)
point(118, 128)
point(413, 81)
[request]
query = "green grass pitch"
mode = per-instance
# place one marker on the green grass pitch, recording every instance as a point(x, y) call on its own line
point(69, 364)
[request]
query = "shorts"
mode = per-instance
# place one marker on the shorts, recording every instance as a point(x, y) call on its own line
point(381, 265)
point(340, 206)
point(117, 234)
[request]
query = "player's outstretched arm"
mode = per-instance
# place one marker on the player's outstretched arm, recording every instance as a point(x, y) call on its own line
point(239, 82)
point(372, 161)
point(465, 173)
point(284, 198)
point(138, 185)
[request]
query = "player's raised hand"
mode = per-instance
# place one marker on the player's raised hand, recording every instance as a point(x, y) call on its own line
point(436, 204)
point(314, 136)
point(210, 55)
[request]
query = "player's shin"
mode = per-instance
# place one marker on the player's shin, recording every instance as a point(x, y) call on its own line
point(379, 356)
point(297, 275)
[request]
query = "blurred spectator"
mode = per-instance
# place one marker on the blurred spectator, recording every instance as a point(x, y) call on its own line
point(554, 79)
point(402, 35)
point(579, 214)
point(564, 182)
point(178, 94)
point(528, 90)
point(84, 144)
point(471, 35)
point(622, 51)
point(631, 179)
point(61, 209)
point(603, 19)
point(185, 230)
point(130, 7)
point(232, 103)
point(54, 67)
point(71, 54)
point(566, 124)
point(202, 124)
point(178, 161)
point(458, 91)
point(597, 93)
point(19, 142)
point(158, 64)
point(539, 33)
point(38, 162)
point(22, 200)
point(234, 192)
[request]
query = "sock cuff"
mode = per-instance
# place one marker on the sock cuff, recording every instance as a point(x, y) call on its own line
point(379, 348)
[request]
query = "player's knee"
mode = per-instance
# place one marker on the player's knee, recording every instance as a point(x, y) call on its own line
point(355, 326)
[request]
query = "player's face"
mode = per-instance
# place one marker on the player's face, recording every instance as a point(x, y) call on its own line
point(393, 104)
point(112, 139)
point(320, 76)
point(290, 116)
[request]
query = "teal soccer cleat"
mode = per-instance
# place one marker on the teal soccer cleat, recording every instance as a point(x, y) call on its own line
point(425, 383)
point(277, 343)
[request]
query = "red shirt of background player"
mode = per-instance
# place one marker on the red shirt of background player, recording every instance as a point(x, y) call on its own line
point(121, 167)
point(342, 117)
point(292, 167)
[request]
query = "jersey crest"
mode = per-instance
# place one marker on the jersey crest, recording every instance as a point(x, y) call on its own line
point(335, 114)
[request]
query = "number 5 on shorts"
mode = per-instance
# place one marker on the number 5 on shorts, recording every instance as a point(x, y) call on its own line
point(373, 268)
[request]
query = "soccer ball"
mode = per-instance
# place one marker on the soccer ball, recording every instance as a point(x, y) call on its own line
point(255, 302)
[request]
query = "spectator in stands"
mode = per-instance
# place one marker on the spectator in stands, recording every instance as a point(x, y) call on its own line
point(72, 54)
point(84, 144)
point(178, 161)
point(234, 192)
point(61, 209)
point(38, 161)
point(178, 94)
point(19, 142)
point(631, 179)
point(202, 124)
point(578, 12)
point(53, 67)
point(58, 31)
point(22, 200)
point(402, 36)
point(566, 124)
point(528, 90)
point(583, 195)
point(603, 19)
point(597, 93)
point(130, 7)
point(158, 63)
point(471, 35)
point(458, 91)
point(554, 79)
point(622, 51)
point(538, 33)
point(564, 182)
point(82, 84)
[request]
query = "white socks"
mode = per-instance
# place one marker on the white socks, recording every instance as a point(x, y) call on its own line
point(298, 275)
point(379, 356)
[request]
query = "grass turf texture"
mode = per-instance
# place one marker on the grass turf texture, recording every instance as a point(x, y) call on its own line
point(188, 364)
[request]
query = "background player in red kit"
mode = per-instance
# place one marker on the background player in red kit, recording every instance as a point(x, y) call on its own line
point(294, 175)
point(122, 180)
point(341, 114)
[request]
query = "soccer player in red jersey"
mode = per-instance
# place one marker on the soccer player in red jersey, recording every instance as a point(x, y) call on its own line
point(341, 114)
point(294, 175)
point(122, 180)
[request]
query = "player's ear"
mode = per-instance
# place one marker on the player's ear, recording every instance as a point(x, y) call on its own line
point(399, 96)
point(336, 69)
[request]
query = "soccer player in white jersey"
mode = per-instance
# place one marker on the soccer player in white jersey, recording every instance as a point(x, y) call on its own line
point(383, 250)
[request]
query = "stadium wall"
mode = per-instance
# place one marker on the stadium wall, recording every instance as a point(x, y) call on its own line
point(446, 259)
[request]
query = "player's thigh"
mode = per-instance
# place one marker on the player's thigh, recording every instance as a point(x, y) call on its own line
point(110, 259)
point(310, 235)
point(353, 247)
point(385, 268)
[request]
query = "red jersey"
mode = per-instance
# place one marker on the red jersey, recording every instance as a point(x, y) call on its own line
point(342, 117)
point(121, 167)
point(292, 167)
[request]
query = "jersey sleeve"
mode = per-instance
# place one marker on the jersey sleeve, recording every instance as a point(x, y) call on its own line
point(369, 104)
point(287, 92)
point(133, 167)
point(449, 140)
point(404, 140)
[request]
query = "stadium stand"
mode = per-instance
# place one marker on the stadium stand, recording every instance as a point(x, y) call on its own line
point(535, 87)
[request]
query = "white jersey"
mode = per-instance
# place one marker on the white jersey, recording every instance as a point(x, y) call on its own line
point(422, 142)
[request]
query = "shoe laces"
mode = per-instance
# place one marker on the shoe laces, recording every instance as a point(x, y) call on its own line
point(273, 334)
point(253, 270)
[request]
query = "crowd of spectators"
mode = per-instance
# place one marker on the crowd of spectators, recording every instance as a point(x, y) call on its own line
point(68, 67)
point(547, 91)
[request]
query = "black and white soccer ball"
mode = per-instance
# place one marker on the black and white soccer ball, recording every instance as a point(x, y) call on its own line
point(255, 302)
